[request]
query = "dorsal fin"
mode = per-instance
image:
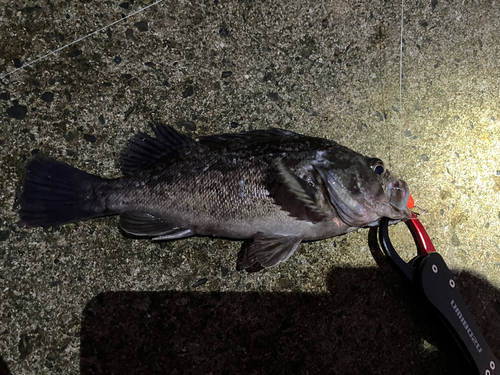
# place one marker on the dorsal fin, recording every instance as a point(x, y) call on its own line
point(143, 150)
point(252, 135)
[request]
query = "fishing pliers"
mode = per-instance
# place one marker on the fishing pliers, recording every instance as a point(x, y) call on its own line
point(429, 273)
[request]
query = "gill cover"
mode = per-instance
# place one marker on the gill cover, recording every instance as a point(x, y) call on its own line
point(350, 210)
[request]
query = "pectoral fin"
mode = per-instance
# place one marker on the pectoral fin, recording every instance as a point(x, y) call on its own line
point(149, 225)
point(304, 194)
point(266, 251)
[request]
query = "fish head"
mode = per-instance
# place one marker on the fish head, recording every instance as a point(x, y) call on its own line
point(362, 190)
point(392, 199)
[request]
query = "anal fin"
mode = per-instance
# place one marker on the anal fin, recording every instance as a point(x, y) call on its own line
point(145, 224)
point(266, 251)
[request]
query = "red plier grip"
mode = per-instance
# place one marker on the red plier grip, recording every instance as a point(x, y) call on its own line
point(422, 239)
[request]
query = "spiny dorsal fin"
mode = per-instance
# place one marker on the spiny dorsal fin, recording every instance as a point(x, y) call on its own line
point(143, 150)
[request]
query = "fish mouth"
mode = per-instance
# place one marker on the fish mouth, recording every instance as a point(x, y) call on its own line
point(399, 193)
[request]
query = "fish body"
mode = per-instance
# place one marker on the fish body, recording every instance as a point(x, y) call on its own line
point(273, 188)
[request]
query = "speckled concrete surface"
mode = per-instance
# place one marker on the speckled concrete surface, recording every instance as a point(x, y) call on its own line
point(83, 298)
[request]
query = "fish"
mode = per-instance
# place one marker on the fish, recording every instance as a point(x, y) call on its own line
point(271, 189)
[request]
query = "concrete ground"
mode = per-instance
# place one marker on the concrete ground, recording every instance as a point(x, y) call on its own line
point(82, 298)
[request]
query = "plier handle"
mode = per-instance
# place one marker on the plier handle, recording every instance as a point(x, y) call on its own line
point(429, 273)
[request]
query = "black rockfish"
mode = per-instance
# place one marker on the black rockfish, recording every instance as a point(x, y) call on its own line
point(273, 188)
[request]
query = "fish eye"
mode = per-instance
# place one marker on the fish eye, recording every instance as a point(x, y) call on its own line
point(379, 169)
point(377, 166)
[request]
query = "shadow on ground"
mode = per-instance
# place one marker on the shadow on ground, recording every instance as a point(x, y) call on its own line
point(4, 370)
point(369, 323)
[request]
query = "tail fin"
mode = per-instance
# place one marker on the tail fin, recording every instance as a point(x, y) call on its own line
point(55, 193)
